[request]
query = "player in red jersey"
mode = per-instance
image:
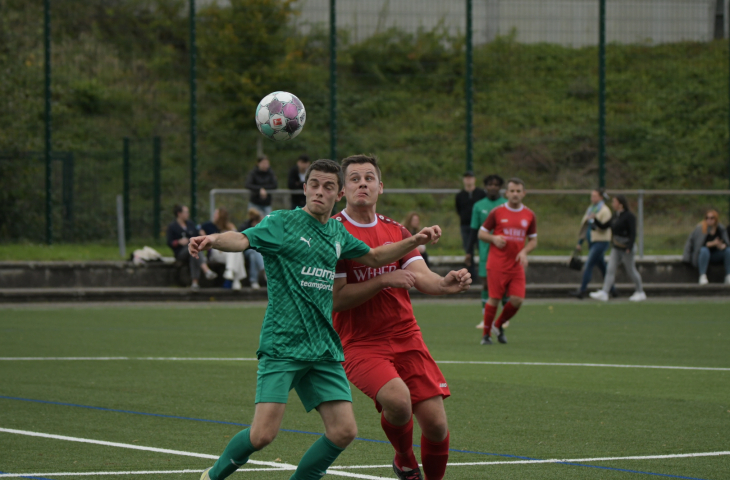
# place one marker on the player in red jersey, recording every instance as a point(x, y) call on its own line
point(385, 356)
point(510, 225)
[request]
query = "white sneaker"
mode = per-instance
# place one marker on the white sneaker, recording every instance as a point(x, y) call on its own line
point(195, 286)
point(704, 281)
point(205, 475)
point(210, 275)
point(505, 324)
point(255, 285)
point(727, 280)
point(599, 295)
point(236, 285)
point(480, 325)
point(637, 297)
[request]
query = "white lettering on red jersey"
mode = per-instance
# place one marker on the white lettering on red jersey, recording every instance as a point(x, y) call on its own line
point(515, 226)
point(389, 313)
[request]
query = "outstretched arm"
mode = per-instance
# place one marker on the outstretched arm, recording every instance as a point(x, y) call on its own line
point(385, 254)
point(225, 242)
point(350, 295)
point(432, 283)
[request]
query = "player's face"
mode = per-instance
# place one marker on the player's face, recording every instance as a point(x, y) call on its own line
point(322, 192)
point(362, 185)
point(515, 193)
point(492, 189)
point(595, 197)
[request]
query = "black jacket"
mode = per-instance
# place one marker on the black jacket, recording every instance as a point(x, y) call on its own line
point(465, 203)
point(622, 225)
point(257, 180)
point(175, 232)
point(295, 183)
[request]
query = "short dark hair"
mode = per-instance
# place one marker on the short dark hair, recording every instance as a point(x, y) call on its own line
point(622, 200)
point(468, 173)
point(516, 181)
point(177, 208)
point(303, 158)
point(261, 159)
point(361, 159)
point(493, 178)
point(601, 192)
point(326, 166)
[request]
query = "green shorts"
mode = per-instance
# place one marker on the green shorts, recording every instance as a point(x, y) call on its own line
point(315, 382)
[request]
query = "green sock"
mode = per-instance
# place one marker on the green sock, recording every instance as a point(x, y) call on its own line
point(485, 297)
point(317, 460)
point(234, 456)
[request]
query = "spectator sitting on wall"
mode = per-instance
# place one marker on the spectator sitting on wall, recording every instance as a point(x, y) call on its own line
point(260, 180)
point(465, 201)
point(707, 244)
point(179, 233)
point(255, 259)
point(412, 223)
point(296, 181)
point(235, 268)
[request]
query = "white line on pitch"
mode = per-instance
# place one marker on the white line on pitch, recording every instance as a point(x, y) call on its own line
point(279, 466)
point(564, 460)
point(456, 362)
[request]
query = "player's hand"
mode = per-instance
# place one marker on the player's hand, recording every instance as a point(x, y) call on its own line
point(428, 235)
point(468, 259)
point(199, 244)
point(399, 279)
point(522, 258)
point(499, 241)
point(456, 281)
point(263, 193)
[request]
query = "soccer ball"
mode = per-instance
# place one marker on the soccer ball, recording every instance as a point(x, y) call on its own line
point(280, 116)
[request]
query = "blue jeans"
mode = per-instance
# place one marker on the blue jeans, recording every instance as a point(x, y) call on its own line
point(596, 254)
point(255, 264)
point(718, 256)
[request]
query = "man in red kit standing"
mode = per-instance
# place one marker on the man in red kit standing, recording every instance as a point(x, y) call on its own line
point(385, 356)
point(507, 227)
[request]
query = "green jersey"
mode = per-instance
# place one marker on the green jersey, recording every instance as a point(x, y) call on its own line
point(300, 255)
point(479, 215)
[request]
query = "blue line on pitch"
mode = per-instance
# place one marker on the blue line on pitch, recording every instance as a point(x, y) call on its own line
point(503, 455)
point(35, 478)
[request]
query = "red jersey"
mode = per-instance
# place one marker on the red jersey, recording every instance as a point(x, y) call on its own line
point(515, 226)
point(389, 313)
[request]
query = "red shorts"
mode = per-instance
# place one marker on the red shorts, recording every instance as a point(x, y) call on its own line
point(511, 283)
point(372, 365)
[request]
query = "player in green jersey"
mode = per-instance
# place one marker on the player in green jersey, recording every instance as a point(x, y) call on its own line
point(492, 185)
point(298, 347)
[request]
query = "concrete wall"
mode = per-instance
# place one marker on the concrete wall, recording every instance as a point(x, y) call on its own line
point(567, 22)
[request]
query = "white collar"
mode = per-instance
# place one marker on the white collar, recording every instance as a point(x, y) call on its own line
point(362, 225)
point(522, 207)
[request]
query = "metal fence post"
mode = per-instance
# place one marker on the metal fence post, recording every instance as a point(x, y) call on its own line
point(156, 187)
point(333, 80)
point(193, 119)
point(469, 90)
point(602, 93)
point(211, 202)
point(121, 231)
point(640, 226)
point(125, 186)
point(47, 92)
point(68, 197)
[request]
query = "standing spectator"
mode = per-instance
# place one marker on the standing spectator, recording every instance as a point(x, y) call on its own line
point(260, 180)
point(235, 269)
point(413, 225)
point(465, 201)
point(296, 181)
point(623, 231)
point(598, 240)
point(179, 233)
point(492, 184)
point(255, 259)
point(707, 244)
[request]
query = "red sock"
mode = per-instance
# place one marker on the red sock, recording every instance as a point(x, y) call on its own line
point(434, 456)
point(508, 312)
point(401, 437)
point(489, 313)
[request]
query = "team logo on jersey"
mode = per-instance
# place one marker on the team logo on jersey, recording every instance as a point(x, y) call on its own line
point(307, 241)
point(338, 249)
point(524, 223)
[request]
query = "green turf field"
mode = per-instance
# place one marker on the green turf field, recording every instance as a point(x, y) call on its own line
point(503, 417)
